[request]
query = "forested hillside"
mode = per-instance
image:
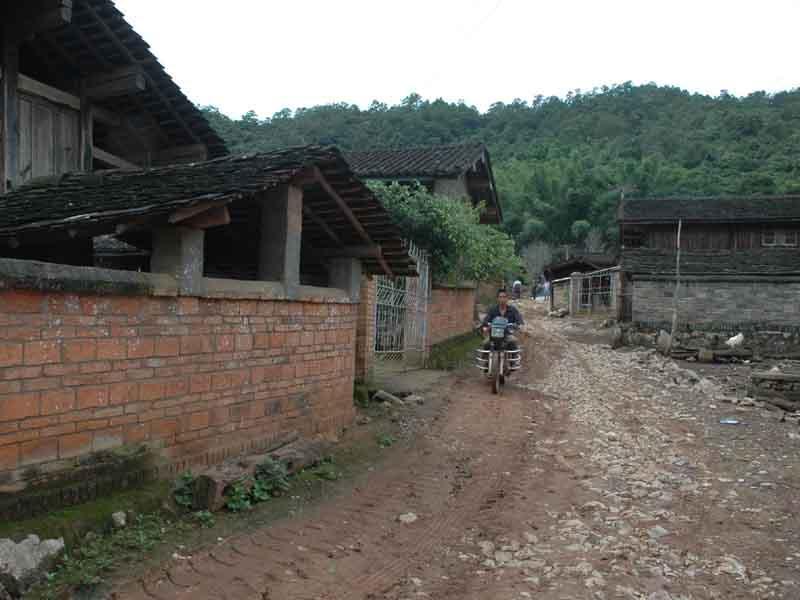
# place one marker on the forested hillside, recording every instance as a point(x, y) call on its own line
point(560, 163)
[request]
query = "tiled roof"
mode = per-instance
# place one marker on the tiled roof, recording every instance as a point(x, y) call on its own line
point(422, 162)
point(434, 162)
point(90, 204)
point(99, 39)
point(733, 209)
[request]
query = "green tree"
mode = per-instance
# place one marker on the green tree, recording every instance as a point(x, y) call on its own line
point(562, 160)
point(460, 248)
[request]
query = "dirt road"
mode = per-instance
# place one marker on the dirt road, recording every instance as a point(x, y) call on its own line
point(595, 476)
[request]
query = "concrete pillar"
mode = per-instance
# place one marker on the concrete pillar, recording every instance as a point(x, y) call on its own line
point(178, 251)
point(281, 229)
point(345, 274)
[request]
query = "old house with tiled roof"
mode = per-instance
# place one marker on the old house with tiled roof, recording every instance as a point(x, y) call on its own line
point(408, 317)
point(739, 262)
point(230, 326)
point(82, 90)
point(460, 170)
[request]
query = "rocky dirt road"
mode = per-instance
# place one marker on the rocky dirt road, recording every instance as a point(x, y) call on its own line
point(600, 474)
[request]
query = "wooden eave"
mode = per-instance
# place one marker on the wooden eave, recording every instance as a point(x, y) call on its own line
point(99, 40)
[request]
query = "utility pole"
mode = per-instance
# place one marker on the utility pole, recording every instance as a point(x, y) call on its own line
point(677, 288)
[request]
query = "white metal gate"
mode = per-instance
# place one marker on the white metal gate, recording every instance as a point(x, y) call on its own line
point(401, 316)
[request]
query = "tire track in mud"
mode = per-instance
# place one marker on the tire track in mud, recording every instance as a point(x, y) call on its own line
point(455, 475)
point(377, 569)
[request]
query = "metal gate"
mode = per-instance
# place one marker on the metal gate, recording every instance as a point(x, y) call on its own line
point(401, 316)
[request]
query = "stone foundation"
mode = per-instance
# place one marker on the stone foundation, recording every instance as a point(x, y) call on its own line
point(718, 304)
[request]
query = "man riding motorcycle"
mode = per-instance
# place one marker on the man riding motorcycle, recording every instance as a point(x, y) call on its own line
point(507, 311)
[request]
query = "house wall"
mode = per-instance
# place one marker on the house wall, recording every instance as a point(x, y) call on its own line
point(196, 379)
point(453, 187)
point(706, 236)
point(49, 138)
point(451, 313)
point(718, 304)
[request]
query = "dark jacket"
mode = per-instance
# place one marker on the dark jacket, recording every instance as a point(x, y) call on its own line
point(512, 314)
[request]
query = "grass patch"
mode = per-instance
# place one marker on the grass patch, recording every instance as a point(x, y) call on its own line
point(74, 522)
point(385, 440)
point(84, 567)
point(361, 395)
point(454, 353)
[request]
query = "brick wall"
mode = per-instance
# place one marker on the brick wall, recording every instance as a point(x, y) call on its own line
point(365, 336)
point(718, 304)
point(451, 313)
point(198, 379)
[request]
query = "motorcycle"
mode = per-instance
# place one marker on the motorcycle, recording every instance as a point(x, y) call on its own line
point(499, 361)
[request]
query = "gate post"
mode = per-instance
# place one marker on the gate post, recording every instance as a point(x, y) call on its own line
point(575, 293)
point(365, 329)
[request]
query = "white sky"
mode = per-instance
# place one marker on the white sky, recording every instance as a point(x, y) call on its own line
point(267, 55)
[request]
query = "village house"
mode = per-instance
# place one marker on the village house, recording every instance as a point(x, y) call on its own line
point(739, 262)
point(456, 170)
point(402, 319)
point(231, 322)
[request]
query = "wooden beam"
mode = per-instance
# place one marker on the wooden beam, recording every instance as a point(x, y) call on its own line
point(39, 15)
point(58, 15)
point(188, 212)
point(86, 133)
point(123, 81)
point(350, 217)
point(213, 217)
point(101, 59)
point(106, 117)
point(133, 60)
point(29, 85)
point(349, 252)
point(110, 159)
point(322, 225)
point(9, 110)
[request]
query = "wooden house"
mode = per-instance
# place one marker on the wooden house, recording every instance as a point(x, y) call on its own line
point(739, 262)
point(81, 90)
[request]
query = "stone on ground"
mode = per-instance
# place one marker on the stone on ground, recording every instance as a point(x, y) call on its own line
point(25, 563)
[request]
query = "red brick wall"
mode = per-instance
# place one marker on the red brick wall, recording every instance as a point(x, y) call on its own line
point(365, 336)
point(450, 313)
point(197, 379)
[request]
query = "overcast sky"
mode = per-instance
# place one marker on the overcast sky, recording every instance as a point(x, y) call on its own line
point(267, 55)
